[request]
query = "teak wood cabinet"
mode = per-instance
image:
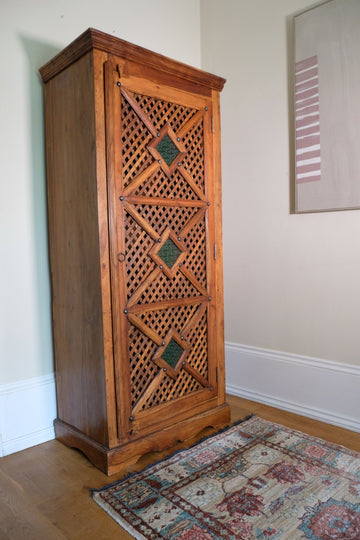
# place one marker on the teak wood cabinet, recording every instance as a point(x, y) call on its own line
point(134, 214)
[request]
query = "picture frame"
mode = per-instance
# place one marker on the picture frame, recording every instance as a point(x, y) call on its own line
point(327, 107)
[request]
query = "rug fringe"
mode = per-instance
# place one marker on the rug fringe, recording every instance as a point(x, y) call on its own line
point(122, 522)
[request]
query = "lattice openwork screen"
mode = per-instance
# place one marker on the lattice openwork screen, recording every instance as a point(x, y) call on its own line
point(165, 248)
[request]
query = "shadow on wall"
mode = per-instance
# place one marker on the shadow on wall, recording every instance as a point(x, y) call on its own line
point(291, 125)
point(38, 54)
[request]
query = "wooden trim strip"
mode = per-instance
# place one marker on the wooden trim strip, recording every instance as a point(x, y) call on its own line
point(154, 306)
point(196, 189)
point(194, 373)
point(192, 222)
point(161, 201)
point(190, 124)
point(116, 239)
point(142, 288)
point(141, 221)
point(195, 282)
point(145, 329)
point(148, 391)
point(194, 319)
point(143, 117)
point(144, 175)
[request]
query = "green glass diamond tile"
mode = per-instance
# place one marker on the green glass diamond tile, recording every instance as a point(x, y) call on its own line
point(169, 253)
point(172, 353)
point(167, 150)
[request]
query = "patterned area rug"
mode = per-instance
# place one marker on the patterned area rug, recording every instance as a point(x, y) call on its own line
point(255, 480)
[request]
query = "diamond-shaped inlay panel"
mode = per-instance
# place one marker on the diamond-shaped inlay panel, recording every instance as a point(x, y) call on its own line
point(167, 150)
point(172, 353)
point(169, 253)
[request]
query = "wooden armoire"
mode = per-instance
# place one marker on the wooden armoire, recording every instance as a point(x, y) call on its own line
point(134, 215)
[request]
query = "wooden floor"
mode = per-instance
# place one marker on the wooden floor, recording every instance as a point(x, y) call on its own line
point(44, 491)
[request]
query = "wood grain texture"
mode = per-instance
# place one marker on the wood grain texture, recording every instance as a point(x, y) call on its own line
point(94, 39)
point(216, 195)
point(75, 257)
point(242, 407)
point(116, 203)
point(44, 491)
point(100, 60)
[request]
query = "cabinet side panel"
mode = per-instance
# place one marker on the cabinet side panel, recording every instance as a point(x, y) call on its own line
point(74, 249)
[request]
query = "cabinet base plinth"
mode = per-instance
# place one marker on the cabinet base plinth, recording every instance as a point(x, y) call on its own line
point(114, 460)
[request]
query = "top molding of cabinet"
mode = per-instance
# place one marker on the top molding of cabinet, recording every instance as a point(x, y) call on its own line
point(94, 39)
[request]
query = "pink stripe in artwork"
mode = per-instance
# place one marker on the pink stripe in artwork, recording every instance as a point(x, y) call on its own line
point(306, 75)
point(308, 131)
point(305, 142)
point(306, 64)
point(304, 179)
point(308, 155)
point(310, 167)
point(308, 110)
point(307, 102)
point(306, 94)
point(307, 84)
point(307, 120)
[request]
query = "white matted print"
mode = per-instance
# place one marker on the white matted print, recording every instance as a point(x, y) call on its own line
point(327, 107)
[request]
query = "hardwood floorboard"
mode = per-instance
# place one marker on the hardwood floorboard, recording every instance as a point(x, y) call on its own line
point(45, 490)
point(241, 407)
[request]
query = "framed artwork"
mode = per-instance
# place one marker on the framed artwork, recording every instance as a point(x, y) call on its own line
point(327, 107)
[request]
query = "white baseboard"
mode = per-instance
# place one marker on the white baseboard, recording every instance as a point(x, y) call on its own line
point(319, 389)
point(27, 412)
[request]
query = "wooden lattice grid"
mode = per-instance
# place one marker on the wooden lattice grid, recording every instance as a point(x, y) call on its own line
point(139, 265)
point(194, 159)
point(163, 288)
point(169, 390)
point(196, 249)
point(159, 185)
point(142, 368)
point(137, 246)
point(161, 321)
point(143, 117)
point(198, 339)
point(163, 112)
point(135, 138)
point(162, 217)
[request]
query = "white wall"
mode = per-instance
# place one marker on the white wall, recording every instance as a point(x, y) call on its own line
point(31, 32)
point(291, 281)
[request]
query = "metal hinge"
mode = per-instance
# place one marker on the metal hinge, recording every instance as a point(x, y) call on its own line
point(215, 252)
point(212, 124)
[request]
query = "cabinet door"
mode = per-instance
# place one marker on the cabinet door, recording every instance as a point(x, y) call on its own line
point(160, 172)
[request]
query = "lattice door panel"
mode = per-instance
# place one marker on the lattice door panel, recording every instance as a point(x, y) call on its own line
point(192, 374)
point(165, 266)
point(159, 186)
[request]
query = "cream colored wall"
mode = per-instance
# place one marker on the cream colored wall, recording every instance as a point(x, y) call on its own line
point(31, 32)
point(291, 281)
